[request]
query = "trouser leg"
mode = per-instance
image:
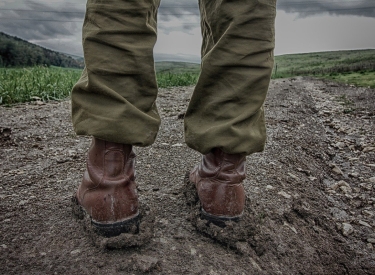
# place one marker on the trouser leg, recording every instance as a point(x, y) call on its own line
point(114, 99)
point(226, 109)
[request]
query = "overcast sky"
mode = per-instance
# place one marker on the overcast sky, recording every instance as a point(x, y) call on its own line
point(301, 25)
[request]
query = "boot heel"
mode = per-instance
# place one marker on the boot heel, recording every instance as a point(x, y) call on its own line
point(219, 221)
point(114, 229)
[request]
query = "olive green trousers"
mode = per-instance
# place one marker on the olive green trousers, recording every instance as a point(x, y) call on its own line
point(115, 97)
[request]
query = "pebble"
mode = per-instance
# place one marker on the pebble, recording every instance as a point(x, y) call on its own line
point(372, 180)
point(343, 185)
point(74, 252)
point(354, 175)
point(177, 145)
point(4, 246)
point(284, 194)
point(270, 187)
point(371, 240)
point(337, 170)
point(368, 149)
point(145, 263)
point(368, 213)
point(364, 224)
point(23, 202)
point(340, 145)
point(193, 251)
point(347, 229)
point(293, 176)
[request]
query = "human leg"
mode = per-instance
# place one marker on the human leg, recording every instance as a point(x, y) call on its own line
point(225, 117)
point(114, 101)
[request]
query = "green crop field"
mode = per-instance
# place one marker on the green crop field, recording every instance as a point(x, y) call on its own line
point(352, 67)
point(19, 85)
point(22, 85)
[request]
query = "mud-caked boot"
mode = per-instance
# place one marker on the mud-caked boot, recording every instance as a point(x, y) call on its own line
point(218, 181)
point(108, 190)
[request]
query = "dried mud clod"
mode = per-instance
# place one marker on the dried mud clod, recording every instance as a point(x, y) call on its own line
point(237, 235)
point(138, 235)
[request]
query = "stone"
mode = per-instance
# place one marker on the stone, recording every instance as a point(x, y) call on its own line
point(177, 145)
point(364, 224)
point(340, 145)
point(347, 229)
point(284, 194)
point(270, 187)
point(372, 180)
point(337, 170)
point(354, 175)
point(293, 176)
point(75, 252)
point(368, 213)
point(145, 263)
point(193, 251)
point(371, 240)
point(368, 149)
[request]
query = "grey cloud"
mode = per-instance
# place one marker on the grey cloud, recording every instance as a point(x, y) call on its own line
point(307, 8)
point(39, 20)
point(186, 11)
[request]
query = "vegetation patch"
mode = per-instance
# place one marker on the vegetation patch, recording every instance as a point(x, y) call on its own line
point(350, 67)
point(41, 83)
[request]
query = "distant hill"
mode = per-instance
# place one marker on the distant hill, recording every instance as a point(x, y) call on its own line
point(16, 52)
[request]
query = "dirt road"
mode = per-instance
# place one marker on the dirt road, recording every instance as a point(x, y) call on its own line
point(310, 195)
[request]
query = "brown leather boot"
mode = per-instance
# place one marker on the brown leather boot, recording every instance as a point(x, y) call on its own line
point(218, 180)
point(108, 191)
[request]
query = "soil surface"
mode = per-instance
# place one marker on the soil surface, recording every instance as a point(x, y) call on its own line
point(310, 196)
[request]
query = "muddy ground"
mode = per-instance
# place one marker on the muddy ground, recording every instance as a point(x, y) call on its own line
point(310, 195)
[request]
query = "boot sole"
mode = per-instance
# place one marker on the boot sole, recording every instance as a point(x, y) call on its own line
point(219, 220)
point(130, 225)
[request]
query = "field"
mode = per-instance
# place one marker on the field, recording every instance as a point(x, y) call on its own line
point(19, 85)
point(350, 67)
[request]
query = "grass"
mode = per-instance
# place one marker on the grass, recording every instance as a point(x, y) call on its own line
point(23, 85)
point(351, 67)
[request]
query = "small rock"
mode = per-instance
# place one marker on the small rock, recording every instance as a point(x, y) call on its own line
point(345, 189)
point(4, 246)
point(312, 178)
point(371, 240)
point(368, 213)
point(43, 253)
point(270, 187)
point(368, 149)
point(372, 180)
point(364, 224)
point(340, 145)
point(284, 194)
point(23, 202)
point(354, 175)
point(177, 145)
point(145, 263)
point(290, 227)
point(337, 170)
point(74, 252)
point(162, 240)
point(293, 176)
point(193, 252)
point(347, 229)
point(254, 263)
